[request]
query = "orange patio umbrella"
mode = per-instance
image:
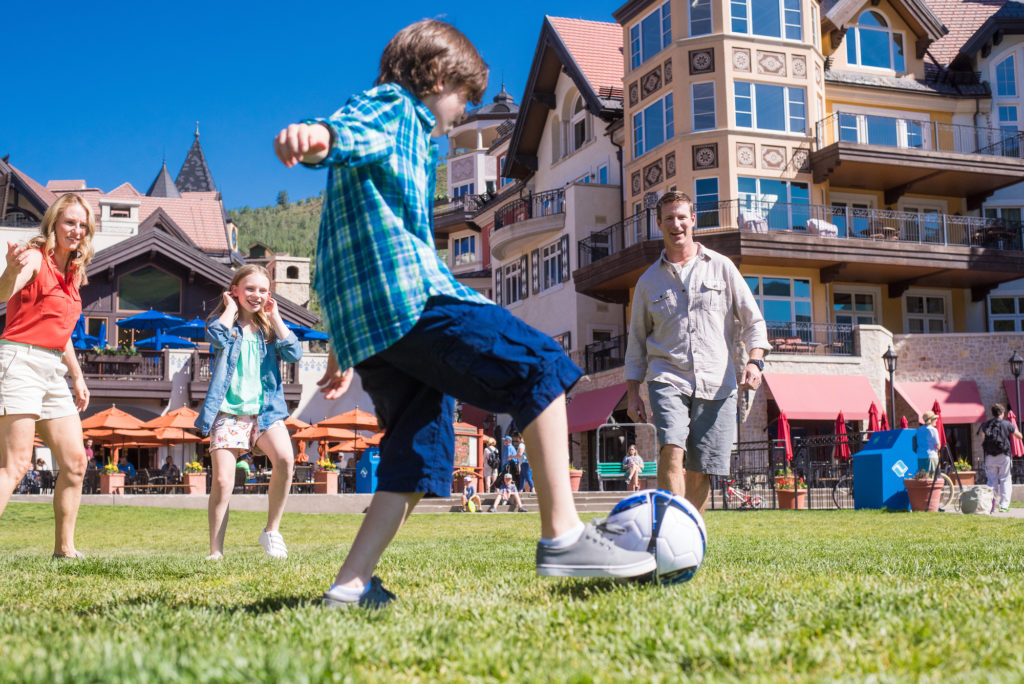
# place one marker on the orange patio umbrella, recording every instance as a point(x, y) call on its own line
point(357, 444)
point(112, 418)
point(374, 440)
point(353, 420)
point(320, 432)
point(170, 435)
point(294, 424)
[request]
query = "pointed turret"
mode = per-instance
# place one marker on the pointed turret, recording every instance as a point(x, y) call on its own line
point(195, 174)
point(162, 185)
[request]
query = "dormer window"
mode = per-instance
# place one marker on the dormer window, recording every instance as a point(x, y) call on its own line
point(579, 124)
point(1006, 78)
point(872, 43)
point(120, 212)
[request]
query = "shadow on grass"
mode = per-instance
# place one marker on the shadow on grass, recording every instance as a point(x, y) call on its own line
point(267, 604)
point(584, 589)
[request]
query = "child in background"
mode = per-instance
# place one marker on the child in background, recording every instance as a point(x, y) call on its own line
point(244, 407)
point(417, 336)
point(508, 494)
point(633, 464)
point(470, 499)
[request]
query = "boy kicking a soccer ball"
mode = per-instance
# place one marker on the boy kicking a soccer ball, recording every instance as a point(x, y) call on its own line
point(415, 335)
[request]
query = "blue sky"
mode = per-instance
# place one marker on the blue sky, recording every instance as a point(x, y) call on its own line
point(104, 91)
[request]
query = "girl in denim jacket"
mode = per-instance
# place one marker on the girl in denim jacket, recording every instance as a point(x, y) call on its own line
point(245, 407)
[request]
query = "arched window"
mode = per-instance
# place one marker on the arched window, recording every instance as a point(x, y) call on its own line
point(872, 43)
point(580, 121)
point(149, 288)
point(1006, 78)
point(292, 273)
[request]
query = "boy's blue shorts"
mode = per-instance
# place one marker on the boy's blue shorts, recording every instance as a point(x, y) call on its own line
point(479, 353)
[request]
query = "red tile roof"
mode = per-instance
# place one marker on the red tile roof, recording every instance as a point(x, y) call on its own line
point(43, 193)
point(62, 186)
point(962, 18)
point(597, 48)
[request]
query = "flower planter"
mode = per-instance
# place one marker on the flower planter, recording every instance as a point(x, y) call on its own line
point(111, 483)
point(791, 499)
point(195, 483)
point(966, 477)
point(923, 495)
point(325, 482)
point(574, 479)
point(782, 482)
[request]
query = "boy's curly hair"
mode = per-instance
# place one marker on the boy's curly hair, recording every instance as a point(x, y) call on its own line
point(430, 52)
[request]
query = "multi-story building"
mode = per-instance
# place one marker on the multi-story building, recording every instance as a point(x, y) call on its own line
point(844, 166)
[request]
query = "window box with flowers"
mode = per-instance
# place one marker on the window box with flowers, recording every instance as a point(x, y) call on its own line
point(965, 473)
point(792, 495)
point(325, 477)
point(111, 480)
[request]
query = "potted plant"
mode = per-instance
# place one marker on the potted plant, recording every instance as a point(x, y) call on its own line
point(965, 472)
point(111, 480)
point(575, 476)
point(194, 478)
point(459, 479)
point(784, 478)
point(325, 478)
point(792, 495)
point(924, 491)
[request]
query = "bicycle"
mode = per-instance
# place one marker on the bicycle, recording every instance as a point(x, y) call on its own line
point(842, 492)
point(745, 499)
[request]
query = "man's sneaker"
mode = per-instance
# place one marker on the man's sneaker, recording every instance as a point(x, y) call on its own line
point(593, 555)
point(273, 544)
point(376, 597)
point(1004, 509)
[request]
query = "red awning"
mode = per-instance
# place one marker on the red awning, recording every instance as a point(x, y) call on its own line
point(587, 410)
point(821, 397)
point(474, 416)
point(959, 401)
point(1011, 394)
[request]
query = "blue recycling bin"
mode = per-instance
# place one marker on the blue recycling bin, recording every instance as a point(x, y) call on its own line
point(366, 471)
point(879, 469)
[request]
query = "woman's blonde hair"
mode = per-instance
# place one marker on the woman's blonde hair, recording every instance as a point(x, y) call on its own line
point(262, 322)
point(47, 238)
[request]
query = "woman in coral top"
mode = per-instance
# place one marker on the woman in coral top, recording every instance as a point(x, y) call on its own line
point(40, 285)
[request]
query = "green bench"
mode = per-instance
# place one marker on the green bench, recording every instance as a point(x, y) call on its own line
point(613, 471)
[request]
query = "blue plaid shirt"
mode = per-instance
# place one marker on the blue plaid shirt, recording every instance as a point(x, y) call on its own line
point(376, 265)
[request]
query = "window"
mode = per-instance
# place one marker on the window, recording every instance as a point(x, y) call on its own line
point(706, 202)
point(653, 126)
point(925, 313)
point(1006, 79)
point(551, 266)
point(565, 340)
point(785, 204)
point(502, 180)
point(1006, 313)
point(700, 17)
point(869, 129)
point(602, 174)
point(580, 124)
point(770, 107)
point(871, 43)
point(702, 99)
point(852, 218)
point(291, 273)
point(1008, 124)
point(650, 36)
point(464, 250)
point(514, 282)
point(853, 308)
point(774, 18)
point(463, 190)
point(149, 288)
point(120, 212)
point(785, 304)
point(815, 32)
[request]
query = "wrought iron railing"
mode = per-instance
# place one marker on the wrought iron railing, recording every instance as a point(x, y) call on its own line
point(601, 356)
point(804, 337)
point(547, 203)
point(638, 228)
point(889, 131)
point(465, 203)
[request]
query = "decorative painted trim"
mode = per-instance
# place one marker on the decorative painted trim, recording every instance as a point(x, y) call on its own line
point(741, 59)
point(668, 71)
point(650, 83)
point(746, 155)
point(653, 174)
point(705, 156)
point(634, 94)
point(635, 184)
point(801, 161)
point(670, 165)
point(799, 66)
point(773, 157)
point(702, 61)
point(771, 63)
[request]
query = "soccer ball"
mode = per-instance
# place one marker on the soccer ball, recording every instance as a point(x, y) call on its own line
point(664, 524)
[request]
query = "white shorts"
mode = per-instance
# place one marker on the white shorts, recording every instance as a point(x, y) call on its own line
point(237, 432)
point(32, 382)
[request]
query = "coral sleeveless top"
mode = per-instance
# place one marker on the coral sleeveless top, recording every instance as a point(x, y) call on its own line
point(44, 312)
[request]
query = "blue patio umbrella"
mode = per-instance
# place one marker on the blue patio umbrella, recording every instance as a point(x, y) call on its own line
point(193, 330)
point(160, 340)
point(150, 320)
point(306, 334)
point(80, 339)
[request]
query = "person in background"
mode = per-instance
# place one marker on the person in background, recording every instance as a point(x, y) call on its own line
point(997, 432)
point(469, 494)
point(525, 474)
point(927, 439)
point(125, 466)
point(632, 465)
point(169, 470)
point(88, 449)
point(40, 285)
point(507, 493)
point(492, 462)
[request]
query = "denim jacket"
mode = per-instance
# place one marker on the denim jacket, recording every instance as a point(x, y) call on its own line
point(228, 345)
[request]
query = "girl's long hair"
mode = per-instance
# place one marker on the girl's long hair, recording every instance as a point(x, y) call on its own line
point(47, 239)
point(260, 317)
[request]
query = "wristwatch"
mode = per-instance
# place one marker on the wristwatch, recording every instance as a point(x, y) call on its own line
point(757, 362)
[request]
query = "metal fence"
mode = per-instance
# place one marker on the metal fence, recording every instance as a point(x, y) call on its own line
point(545, 203)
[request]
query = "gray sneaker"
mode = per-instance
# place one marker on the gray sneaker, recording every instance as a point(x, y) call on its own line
point(593, 555)
point(376, 597)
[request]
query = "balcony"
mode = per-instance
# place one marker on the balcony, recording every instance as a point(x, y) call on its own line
point(844, 244)
point(525, 219)
point(908, 155)
point(454, 215)
point(202, 370)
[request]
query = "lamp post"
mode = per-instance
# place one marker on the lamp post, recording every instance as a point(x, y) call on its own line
point(889, 357)
point(1016, 362)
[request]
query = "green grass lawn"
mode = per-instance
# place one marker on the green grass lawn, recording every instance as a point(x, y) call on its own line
point(783, 596)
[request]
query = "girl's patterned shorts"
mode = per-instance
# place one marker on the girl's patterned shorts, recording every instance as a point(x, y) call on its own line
point(237, 432)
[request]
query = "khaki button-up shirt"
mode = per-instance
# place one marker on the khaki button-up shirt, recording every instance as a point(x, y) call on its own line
point(686, 335)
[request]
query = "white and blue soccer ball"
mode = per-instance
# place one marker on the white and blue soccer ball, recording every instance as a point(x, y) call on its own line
point(666, 525)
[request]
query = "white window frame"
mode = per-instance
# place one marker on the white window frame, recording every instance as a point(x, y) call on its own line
point(640, 147)
point(853, 291)
point(1012, 60)
point(1016, 318)
point(694, 99)
point(613, 332)
point(551, 258)
point(760, 297)
point(848, 199)
point(696, 23)
point(927, 294)
point(707, 216)
point(580, 117)
point(853, 36)
point(636, 57)
point(456, 256)
point(602, 169)
point(744, 7)
point(511, 282)
point(901, 125)
point(788, 105)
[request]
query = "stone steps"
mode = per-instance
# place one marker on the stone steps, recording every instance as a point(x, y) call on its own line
point(586, 502)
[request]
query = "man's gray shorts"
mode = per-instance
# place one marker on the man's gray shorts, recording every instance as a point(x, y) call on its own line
point(704, 428)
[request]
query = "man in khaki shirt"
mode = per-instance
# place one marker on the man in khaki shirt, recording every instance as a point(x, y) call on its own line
point(688, 310)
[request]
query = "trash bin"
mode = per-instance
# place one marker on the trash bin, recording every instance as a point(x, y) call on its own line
point(366, 471)
point(879, 469)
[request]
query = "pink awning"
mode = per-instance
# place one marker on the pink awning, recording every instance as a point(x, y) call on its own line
point(474, 416)
point(959, 401)
point(1011, 394)
point(589, 409)
point(821, 397)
